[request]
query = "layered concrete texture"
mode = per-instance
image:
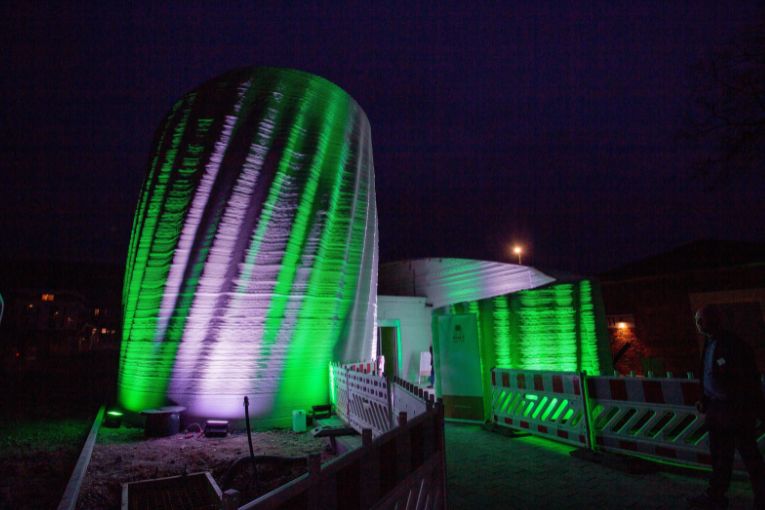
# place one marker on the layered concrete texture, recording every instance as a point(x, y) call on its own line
point(253, 255)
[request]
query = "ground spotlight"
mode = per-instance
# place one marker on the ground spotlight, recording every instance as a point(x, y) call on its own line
point(216, 428)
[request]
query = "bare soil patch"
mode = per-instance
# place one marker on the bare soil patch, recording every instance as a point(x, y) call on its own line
point(125, 455)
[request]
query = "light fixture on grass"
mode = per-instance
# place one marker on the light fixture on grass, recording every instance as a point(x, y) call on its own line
point(216, 428)
point(113, 419)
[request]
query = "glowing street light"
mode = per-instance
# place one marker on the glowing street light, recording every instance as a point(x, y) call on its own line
point(518, 250)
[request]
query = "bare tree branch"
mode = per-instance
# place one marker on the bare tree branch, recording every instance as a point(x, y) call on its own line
point(726, 114)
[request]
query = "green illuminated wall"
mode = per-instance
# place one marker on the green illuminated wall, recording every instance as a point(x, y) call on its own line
point(556, 327)
point(253, 256)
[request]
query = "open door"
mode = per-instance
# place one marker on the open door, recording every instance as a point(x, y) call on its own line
point(389, 346)
point(458, 367)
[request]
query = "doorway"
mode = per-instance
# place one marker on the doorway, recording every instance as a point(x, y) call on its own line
point(389, 346)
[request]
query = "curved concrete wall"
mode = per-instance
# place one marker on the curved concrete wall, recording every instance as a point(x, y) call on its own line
point(253, 256)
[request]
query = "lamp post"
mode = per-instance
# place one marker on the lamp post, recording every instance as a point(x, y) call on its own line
point(518, 250)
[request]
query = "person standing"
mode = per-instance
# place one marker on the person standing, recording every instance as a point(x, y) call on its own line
point(732, 402)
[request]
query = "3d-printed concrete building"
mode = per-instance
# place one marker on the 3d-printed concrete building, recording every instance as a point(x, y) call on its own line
point(253, 256)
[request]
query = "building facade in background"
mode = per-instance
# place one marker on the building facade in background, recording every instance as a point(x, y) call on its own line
point(480, 315)
point(650, 304)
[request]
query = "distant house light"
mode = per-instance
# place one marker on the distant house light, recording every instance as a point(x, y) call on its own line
point(621, 321)
point(97, 312)
point(103, 331)
point(48, 297)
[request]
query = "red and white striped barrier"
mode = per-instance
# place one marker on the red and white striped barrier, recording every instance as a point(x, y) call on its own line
point(652, 417)
point(548, 404)
point(365, 400)
point(362, 399)
point(366, 367)
point(369, 403)
point(408, 398)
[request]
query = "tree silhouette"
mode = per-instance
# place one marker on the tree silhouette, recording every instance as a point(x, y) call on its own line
point(725, 122)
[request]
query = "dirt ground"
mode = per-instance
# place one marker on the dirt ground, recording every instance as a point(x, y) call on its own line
point(125, 455)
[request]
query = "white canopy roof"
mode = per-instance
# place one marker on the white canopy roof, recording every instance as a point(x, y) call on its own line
point(448, 281)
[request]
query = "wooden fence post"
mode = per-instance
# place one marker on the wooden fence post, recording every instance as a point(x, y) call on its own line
point(314, 475)
point(403, 448)
point(370, 471)
point(391, 389)
point(441, 445)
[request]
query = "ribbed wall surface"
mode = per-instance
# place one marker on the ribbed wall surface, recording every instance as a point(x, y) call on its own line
point(447, 281)
point(253, 256)
point(554, 327)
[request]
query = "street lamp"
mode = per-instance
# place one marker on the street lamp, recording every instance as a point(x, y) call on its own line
point(518, 250)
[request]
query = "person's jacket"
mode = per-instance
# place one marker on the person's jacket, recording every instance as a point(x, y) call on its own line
point(735, 368)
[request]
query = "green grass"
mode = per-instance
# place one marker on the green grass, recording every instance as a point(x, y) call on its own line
point(18, 437)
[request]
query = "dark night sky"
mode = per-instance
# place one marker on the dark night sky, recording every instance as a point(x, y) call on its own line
point(547, 123)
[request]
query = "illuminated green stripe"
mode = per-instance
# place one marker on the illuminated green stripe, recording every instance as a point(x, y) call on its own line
point(501, 323)
point(146, 283)
point(298, 378)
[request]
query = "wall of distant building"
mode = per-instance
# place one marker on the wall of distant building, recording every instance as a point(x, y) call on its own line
point(651, 316)
point(42, 323)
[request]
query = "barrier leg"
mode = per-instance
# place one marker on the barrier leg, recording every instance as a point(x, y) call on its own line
point(589, 428)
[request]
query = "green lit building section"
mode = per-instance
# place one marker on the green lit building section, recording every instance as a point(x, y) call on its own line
point(547, 329)
point(144, 363)
point(301, 380)
point(560, 327)
point(254, 236)
point(501, 328)
point(557, 327)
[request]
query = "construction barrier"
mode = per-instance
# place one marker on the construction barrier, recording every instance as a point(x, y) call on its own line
point(362, 399)
point(548, 404)
point(369, 403)
point(409, 398)
point(652, 417)
point(338, 380)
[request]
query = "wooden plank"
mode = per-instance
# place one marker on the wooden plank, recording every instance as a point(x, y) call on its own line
point(72, 490)
point(278, 497)
point(427, 471)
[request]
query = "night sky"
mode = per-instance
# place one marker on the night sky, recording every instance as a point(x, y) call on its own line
point(549, 124)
